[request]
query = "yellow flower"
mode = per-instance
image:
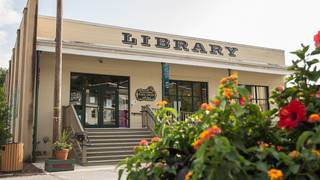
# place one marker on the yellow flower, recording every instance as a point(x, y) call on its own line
point(234, 76)
point(294, 154)
point(316, 153)
point(162, 103)
point(275, 174)
point(227, 93)
point(188, 176)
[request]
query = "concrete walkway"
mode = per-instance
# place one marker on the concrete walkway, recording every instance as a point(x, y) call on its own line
point(80, 173)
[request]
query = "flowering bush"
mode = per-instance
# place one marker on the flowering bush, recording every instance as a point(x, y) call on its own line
point(231, 138)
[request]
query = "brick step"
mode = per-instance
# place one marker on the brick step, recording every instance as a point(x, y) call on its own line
point(111, 148)
point(116, 133)
point(115, 140)
point(102, 162)
point(116, 144)
point(136, 136)
point(110, 153)
point(107, 157)
point(115, 129)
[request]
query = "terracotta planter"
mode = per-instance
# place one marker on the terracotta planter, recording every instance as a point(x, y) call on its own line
point(62, 155)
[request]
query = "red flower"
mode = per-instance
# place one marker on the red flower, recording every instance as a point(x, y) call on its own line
point(143, 142)
point(317, 40)
point(292, 114)
point(318, 94)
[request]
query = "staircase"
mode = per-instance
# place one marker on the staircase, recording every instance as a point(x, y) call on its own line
point(111, 145)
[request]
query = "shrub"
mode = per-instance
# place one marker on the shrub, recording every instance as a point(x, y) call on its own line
point(231, 138)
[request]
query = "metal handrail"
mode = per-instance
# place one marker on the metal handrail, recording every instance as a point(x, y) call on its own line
point(73, 123)
point(148, 118)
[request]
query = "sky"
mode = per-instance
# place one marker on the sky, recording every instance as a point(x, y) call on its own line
point(280, 24)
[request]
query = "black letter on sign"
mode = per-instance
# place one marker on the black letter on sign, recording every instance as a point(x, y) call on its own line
point(232, 51)
point(162, 43)
point(198, 47)
point(145, 40)
point(128, 40)
point(179, 45)
point(215, 49)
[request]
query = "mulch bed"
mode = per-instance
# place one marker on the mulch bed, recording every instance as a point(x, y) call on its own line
point(28, 170)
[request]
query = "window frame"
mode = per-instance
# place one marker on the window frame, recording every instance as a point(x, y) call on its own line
point(256, 99)
point(201, 96)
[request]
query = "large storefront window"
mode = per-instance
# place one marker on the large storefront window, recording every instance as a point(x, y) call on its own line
point(260, 95)
point(187, 96)
point(100, 100)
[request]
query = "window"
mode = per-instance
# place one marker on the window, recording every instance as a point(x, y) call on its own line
point(260, 95)
point(187, 96)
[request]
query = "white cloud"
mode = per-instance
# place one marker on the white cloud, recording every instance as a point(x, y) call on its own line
point(7, 13)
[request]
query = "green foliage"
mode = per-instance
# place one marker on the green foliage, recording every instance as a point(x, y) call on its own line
point(4, 119)
point(250, 144)
point(63, 141)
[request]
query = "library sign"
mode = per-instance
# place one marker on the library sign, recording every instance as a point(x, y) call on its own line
point(180, 45)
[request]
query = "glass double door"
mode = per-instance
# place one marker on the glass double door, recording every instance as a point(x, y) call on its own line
point(101, 106)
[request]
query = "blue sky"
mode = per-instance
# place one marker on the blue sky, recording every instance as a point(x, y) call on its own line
point(281, 24)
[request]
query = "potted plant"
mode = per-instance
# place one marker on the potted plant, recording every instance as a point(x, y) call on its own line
point(62, 146)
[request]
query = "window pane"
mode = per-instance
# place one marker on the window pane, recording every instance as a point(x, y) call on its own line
point(261, 92)
point(196, 103)
point(185, 89)
point(172, 88)
point(204, 92)
point(186, 104)
point(197, 89)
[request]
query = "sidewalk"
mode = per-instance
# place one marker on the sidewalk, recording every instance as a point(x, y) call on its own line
point(107, 172)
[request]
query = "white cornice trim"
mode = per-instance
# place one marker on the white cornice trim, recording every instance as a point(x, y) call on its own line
point(135, 54)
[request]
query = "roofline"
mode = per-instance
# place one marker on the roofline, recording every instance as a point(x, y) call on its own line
point(161, 33)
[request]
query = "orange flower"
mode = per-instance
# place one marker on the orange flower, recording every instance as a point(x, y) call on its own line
point(224, 80)
point(275, 174)
point(143, 142)
point(234, 76)
point(204, 106)
point(294, 154)
point(209, 108)
point(155, 139)
point(196, 144)
point(216, 102)
point(188, 176)
point(314, 118)
point(162, 103)
point(227, 93)
point(206, 135)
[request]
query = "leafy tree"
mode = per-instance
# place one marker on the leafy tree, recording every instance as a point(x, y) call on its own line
point(4, 111)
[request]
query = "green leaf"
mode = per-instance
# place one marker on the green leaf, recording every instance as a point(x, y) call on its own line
point(243, 91)
point(316, 51)
point(262, 166)
point(294, 168)
point(303, 138)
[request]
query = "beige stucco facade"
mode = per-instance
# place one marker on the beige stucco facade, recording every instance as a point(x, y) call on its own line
point(99, 49)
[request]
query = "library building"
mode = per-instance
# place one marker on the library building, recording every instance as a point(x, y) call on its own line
point(112, 79)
